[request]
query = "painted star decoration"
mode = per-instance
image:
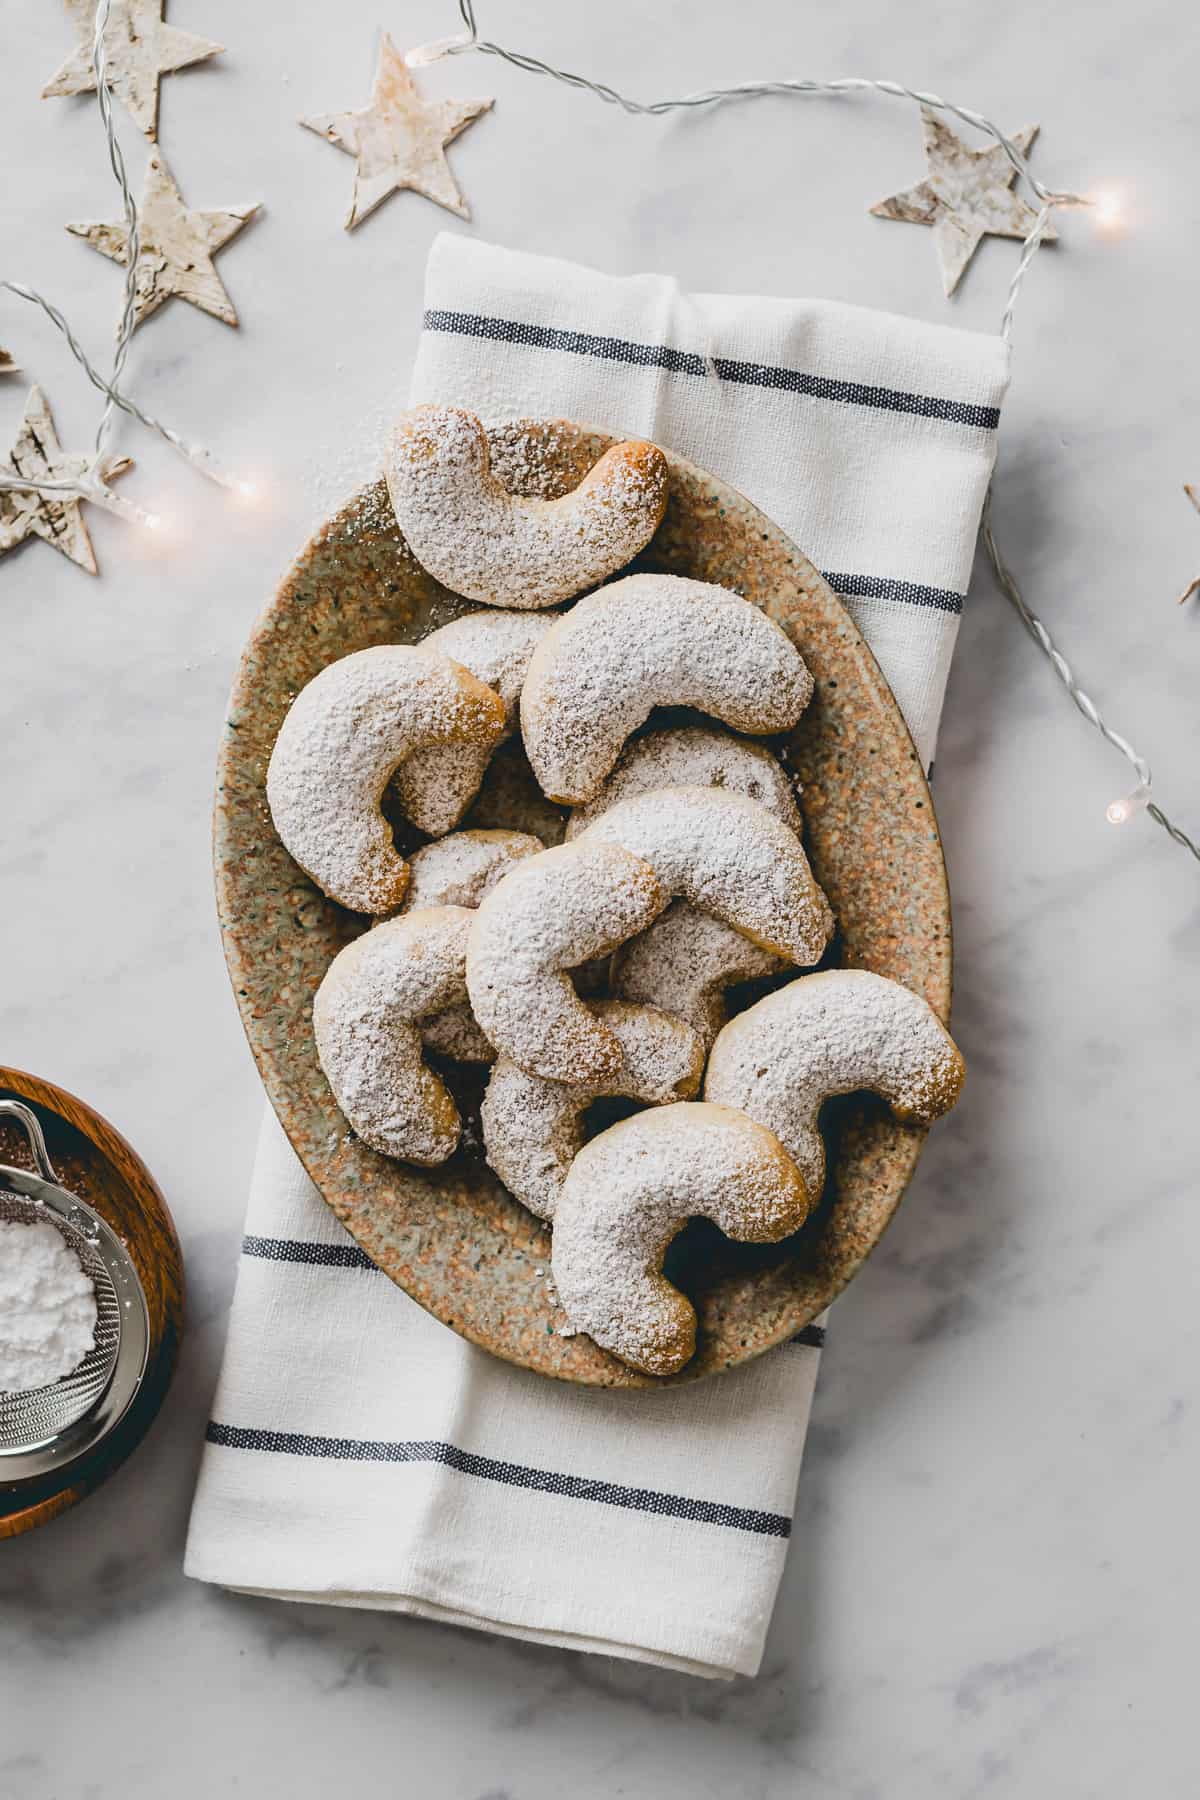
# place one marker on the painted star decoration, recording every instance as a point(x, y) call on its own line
point(966, 196)
point(177, 247)
point(37, 456)
point(399, 139)
point(139, 47)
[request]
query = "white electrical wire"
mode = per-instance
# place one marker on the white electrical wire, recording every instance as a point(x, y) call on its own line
point(133, 242)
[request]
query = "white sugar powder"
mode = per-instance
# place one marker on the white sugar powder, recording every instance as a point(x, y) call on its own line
point(47, 1307)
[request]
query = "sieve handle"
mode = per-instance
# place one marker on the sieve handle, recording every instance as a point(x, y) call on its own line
point(28, 1119)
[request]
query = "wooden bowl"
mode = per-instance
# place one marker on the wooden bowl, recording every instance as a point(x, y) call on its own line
point(453, 1237)
point(94, 1161)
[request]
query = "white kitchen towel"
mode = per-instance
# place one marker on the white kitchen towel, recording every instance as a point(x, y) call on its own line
point(360, 1453)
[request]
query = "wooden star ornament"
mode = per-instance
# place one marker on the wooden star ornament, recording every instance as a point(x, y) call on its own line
point(177, 246)
point(399, 140)
point(38, 456)
point(139, 48)
point(966, 196)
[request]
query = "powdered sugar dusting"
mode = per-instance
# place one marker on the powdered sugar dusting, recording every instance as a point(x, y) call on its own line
point(435, 786)
point(647, 641)
point(533, 1128)
point(833, 1033)
point(550, 913)
point(503, 549)
point(730, 857)
point(627, 1195)
point(693, 756)
point(530, 456)
point(346, 732)
point(365, 1019)
point(460, 869)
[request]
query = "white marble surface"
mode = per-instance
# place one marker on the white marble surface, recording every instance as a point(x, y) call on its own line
point(992, 1582)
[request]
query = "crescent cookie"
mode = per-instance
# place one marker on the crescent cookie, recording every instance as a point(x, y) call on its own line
point(533, 1128)
point(461, 868)
point(691, 756)
point(366, 1018)
point(550, 913)
point(687, 959)
point(684, 963)
point(345, 734)
point(730, 857)
point(833, 1033)
point(458, 871)
point(436, 786)
point(647, 641)
point(507, 550)
point(627, 1195)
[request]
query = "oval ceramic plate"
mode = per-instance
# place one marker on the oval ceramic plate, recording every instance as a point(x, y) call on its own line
point(453, 1237)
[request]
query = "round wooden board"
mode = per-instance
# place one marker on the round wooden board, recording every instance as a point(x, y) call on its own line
point(94, 1161)
point(452, 1236)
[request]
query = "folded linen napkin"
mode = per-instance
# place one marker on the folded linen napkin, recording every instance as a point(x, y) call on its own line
point(360, 1453)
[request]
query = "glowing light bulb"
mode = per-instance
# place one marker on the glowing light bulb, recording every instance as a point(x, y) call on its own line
point(1119, 812)
point(248, 493)
point(1110, 211)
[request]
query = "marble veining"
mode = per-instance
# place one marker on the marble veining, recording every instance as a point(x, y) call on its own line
point(991, 1587)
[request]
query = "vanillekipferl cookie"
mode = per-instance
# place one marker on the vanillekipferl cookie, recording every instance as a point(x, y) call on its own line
point(435, 786)
point(691, 756)
point(503, 549)
point(549, 914)
point(459, 870)
point(632, 1189)
point(687, 959)
point(533, 1128)
point(366, 1019)
point(642, 642)
point(345, 734)
point(730, 857)
point(833, 1033)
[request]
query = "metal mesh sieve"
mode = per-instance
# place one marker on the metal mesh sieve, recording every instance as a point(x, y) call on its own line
point(33, 1418)
point(47, 1430)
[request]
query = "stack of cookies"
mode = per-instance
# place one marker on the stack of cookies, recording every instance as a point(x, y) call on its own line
point(598, 966)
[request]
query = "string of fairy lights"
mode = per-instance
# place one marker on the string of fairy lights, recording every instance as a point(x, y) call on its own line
point(1105, 207)
point(91, 483)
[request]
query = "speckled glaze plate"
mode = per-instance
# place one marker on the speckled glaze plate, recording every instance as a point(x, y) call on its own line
point(453, 1237)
